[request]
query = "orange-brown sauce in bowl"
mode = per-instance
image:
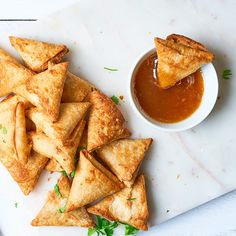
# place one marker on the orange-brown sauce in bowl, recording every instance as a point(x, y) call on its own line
point(167, 105)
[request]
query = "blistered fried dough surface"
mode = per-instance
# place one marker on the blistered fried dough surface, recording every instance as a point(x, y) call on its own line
point(127, 206)
point(91, 182)
point(179, 57)
point(124, 156)
point(75, 89)
point(12, 75)
point(37, 54)
point(50, 214)
point(48, 87)
point(105, 122)
point(26, 175)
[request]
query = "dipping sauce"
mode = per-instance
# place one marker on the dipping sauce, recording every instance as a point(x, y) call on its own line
point(167, 105)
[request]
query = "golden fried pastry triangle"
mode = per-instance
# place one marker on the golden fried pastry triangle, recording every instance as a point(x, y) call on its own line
point(127, 206)
point(13, 137)
point(91, 182)
point(52, 213)
point(105, 123)
point(37, 54)
point(5, 56)
point(63, 153)
point(69, 117)
point(54, 166)
point(26, 175)
point(75, 89)
point(124, 156)
point(48, 86)
point(12, 75)
point(178, 57)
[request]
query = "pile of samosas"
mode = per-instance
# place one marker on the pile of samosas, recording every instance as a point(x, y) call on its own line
point(51, 119)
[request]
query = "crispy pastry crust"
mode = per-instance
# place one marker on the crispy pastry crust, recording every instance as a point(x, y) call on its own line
point(105, 123)
point(127, 206)
point(37, 54)
point(91, 182)
point(50, 215)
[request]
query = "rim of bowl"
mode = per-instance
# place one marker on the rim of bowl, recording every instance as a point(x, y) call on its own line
point(209, 97)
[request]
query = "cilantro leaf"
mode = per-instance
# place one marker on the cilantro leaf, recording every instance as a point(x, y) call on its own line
point(62, 209)
point(91, 231)
point(64, 173)
point(16, 204)
point(227, 74)
point(115, 99)
point(131, 199)
point(56, 188)
point(4, 130)
point(130, 230)
point(110, 69)
point(103, 227)
point(72, 174)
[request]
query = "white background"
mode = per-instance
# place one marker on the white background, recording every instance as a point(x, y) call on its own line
point(216, 218)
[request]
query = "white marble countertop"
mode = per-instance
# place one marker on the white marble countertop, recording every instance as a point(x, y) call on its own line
point(214, 218)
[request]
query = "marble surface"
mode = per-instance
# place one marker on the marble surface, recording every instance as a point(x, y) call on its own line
point(183, 169)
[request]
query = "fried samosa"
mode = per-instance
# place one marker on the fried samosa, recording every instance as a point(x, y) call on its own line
point(105, 123)
point(48, 86)
point(69, 117)
point(37, 54)
point(75, 89)
point(91, 182)
point(12, 75)
point(124, 157)
point(178, 57)
point(26, 175)
point(127, 206)
point(52, 213)
point(63, 153)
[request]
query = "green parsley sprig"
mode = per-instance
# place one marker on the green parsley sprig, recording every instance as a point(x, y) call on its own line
point(62, 209)
point(227, 74)
point(131, 199)
point(115, 99)
point(130, 230)
point(57, 191)
point(103, 227)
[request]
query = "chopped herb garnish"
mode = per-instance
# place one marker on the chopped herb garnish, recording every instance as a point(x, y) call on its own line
point(64, 173)
point(110, 69)
point(16, 204)
point(103, 227)
point(227, 74)
point(56, 188)
point(4, 130)
point(130, 230)
point(62, 209)
point(115, 99)
point(131, 199)
point(72, 174)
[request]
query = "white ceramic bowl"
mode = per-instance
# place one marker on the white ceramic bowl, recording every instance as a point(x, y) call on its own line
point(207, 103)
